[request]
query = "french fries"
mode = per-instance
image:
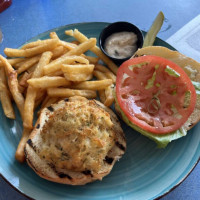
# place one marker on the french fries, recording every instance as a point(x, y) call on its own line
point(56, 64)
point(49, 45)
point(93, 85)
point(13, 85)
point(92, 60)
point(65, 44)
point(106, 71)
point(13, 61)
point(29, 107)
point(23, 79)
point(48, 82)
point(32, 92)
point(77, 72)
point(58, 51)
point(45, 71)
point(49, 101)
point(107, 95)
point(66, 92)
point(102, 96)
point(27, 64)
point(5, 96)
point(33, 44)
point(19, 154)
point(99, 75)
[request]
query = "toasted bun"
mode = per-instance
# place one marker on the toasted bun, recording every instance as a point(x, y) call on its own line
point(190, 66)
point(75, 141)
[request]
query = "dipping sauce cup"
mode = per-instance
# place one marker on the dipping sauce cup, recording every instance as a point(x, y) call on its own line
point(120, 37)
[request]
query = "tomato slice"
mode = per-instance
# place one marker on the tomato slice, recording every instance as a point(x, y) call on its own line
point(155, 94)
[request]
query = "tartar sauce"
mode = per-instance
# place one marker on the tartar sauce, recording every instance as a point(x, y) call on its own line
point(121, 44)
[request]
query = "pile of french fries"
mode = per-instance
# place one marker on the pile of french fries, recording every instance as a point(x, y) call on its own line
point(45, 71)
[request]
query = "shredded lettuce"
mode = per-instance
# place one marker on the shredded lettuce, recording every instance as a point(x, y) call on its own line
point(139, 65)
point(171, 72)
point(196, 85)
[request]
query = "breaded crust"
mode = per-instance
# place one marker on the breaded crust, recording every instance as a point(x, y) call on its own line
point(190, 66)
point(75, 141)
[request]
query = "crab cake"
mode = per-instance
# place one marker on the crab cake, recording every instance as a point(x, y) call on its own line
point(75, 141)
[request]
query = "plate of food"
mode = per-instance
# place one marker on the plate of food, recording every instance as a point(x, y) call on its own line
point(129, 159)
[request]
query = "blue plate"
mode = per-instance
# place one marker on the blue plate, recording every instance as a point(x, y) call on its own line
point(144, 172)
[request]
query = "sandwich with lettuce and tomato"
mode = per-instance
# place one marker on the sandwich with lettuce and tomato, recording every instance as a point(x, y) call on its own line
point(158, 93)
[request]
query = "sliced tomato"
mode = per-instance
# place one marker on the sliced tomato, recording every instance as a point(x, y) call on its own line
point(155, 94)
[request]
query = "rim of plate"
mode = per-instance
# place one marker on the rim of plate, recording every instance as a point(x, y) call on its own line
point(82, 23)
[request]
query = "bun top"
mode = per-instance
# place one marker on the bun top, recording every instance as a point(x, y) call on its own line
point(189, 65)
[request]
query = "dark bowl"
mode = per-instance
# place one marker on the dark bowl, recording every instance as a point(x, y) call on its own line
point(119, 27)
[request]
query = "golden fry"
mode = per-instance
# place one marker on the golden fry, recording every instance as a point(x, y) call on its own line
point(55, 65)
point(13, 61)
point(110, 75)
point(109, 93)
point(5, 96)
point(51, 44)
point(32, 92)
point(45, 101)
point(21, 89)
point(101, 68)
point(6, 102)
point(102, 95)
point(58, 51)
point(77, 77)
point(35, 43)
point(68, 45)
point(99, 75)
point(13, 85)
point(40, 93)
point(47, 82)
point(44, 60)
point(66, 92)
point(92, 60)
point(57, 73)
point(77, 72)
point(39, 98)
point(32, 69)
point(28, 63)
point(83, 47)
point(106, 96)
point(65, 44)
point(69, 32)
point(29, 107)
point(19, 155)
point(107, 72)
point(93, 85)
point(23, 79)
point(50, 101)
point(75, 41)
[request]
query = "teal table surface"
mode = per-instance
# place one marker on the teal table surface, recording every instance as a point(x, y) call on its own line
point(25, 19)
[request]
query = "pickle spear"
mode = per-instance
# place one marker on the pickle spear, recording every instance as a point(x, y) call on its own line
point(155, 28)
